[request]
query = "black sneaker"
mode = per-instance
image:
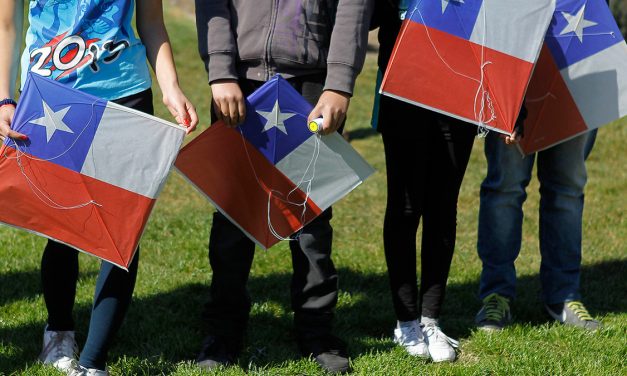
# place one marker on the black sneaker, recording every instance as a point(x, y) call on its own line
point(494, 314)
point(216, 352)
point(329, 352)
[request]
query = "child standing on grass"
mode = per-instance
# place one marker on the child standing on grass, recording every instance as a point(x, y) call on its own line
point(319, 46)
point(90, 45)
point(437, 149)
point(561, 170)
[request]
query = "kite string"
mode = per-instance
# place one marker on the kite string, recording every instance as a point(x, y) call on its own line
point(41, 195)
point(38, 192)
point(611, 33)
point(308, 185)
point(482, 96)
point(277, 195)
point(548, 93)
point(91, 117)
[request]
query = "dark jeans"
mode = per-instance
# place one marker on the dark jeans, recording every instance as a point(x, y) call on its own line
point(114, 286)
point(561, 170)
point(314, 280)
point(426, 158)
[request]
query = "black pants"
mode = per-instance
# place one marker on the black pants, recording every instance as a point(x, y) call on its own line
point(314, 280)
point(436, 148)
point(114, 286)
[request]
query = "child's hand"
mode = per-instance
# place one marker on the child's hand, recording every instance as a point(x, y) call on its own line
point(228, 102)
point(332, 107)
point(181, 108)
point(6, 117)
point(513, 139)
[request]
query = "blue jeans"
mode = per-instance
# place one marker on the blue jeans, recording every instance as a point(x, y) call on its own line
point(562, 176)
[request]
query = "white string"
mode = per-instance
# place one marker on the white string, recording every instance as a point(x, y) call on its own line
point(549, 94)
point(93, 105)
point(541, 99)
point(277, 194)
point(482, 96)
point(611, 33)
point(38, 192)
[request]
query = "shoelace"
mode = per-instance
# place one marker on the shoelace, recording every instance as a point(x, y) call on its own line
point(413, 335)
point(62, 343)
point(496, 307)
point(580, 311)
point(438, 335)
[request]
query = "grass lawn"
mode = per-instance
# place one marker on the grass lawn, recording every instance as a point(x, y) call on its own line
point(163, 329)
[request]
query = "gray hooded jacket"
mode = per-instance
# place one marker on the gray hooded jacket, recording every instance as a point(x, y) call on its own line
point(257, 39)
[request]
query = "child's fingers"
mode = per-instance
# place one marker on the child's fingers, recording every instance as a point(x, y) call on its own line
point(193, 116)
point(315, 114)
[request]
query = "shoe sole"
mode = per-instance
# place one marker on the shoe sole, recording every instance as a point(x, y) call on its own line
point(443, 360)
point(421, 356)
point(490, 328)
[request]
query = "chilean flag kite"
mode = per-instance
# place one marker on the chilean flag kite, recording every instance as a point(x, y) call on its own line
point(89, 173)
point(580, 82)
point(273, 174)
point(470, 59)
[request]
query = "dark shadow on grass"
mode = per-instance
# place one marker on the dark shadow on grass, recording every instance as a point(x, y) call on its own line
point(14, 286)
point(167, 328)
point(359, 134)
point(25, 284)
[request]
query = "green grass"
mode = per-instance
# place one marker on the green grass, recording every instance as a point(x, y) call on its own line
point(163, 329)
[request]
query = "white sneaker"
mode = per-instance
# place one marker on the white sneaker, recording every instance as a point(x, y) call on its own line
point(441, 347)
point(409, 335)
point(82, 371)
point(59, 350)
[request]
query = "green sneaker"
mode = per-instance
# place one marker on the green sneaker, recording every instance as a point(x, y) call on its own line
point(573, 313)
point(495, 313)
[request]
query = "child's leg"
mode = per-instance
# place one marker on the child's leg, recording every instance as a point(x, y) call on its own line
point(59, 273)
point(114, 289)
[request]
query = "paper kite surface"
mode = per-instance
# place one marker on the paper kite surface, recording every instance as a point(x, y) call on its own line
point(271, 175)
point(90, 172)
point(469, 59)
point(580, 82)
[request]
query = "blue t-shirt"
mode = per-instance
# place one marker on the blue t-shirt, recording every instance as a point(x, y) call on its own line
point(87, 44)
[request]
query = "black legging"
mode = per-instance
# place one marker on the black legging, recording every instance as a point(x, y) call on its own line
point(426, 157)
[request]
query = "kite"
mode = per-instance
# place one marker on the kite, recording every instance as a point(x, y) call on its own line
point(470, 59)
point(580, 82)
point(274, 173)
point(89, 173)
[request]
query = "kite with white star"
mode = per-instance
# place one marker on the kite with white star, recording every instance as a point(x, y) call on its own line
point(275, 118)
point(577, 23)
point(52, 121)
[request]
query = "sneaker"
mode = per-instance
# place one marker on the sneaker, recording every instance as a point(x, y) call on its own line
point(216, 352)
point(441, 347)
point(573, 313)
point(328, 351)
point(79, 370)
point(495, 313)
point(409, 335)
point(59, 349)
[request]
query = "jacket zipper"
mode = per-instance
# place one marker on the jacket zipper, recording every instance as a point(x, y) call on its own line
point(268, 47)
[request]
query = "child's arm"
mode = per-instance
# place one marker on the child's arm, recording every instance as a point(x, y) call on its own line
point(7, 44)
point(347, 52)
point(217, 47)
point(154, 36)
